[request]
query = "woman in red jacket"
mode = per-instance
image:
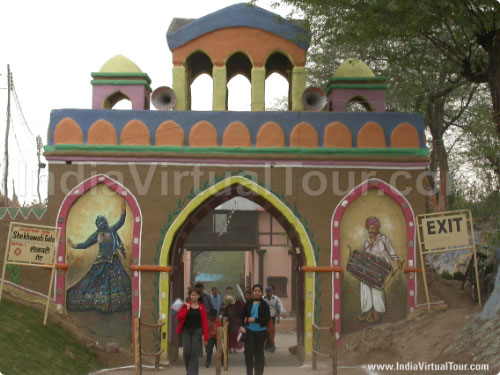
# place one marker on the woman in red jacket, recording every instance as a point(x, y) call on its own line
point(192, 323)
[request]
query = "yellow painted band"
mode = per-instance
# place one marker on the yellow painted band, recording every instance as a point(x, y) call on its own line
point(282, 208)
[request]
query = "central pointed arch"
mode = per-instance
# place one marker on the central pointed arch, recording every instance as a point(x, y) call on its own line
point(279, 206)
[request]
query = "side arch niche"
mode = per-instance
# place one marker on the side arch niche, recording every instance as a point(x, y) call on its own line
point(83, 289)
point(196, 65)
point(115, 98)
point(279, 63)
point(372, 198)
point(238, 74)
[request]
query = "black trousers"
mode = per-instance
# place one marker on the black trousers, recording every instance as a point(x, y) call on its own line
point(191, 339)
point(254, 351)
point(210, 348)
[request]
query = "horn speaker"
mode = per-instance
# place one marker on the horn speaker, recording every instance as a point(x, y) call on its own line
point(163, 98)
point(313, 99)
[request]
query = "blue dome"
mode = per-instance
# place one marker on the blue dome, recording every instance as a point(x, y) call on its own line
point(238, 15)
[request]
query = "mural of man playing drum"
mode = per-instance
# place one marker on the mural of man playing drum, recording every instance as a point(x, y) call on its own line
point(378, 245)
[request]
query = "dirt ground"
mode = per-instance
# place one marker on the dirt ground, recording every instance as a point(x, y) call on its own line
point(423, 339)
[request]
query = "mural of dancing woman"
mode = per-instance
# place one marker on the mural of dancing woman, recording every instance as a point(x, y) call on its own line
point(106, 287)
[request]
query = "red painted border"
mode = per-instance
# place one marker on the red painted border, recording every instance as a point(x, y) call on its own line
point(335, 255)
point(62, 217)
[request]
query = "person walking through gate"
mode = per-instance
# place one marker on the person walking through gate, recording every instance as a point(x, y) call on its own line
point(216, 300)
point(276, 309)
point(232, 311)
point(207, 303)
point(214, 323)
point(253, 324)
point(193, 324)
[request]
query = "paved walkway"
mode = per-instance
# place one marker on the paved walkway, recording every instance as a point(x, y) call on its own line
point(281, 362)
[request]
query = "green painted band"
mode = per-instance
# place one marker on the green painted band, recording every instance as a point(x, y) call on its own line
point(360, 86)
point(141, 75)
point(244, 150)
point(121, 83)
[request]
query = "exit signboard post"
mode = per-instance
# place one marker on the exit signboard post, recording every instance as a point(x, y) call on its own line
point(31, 245)
point(444, 232)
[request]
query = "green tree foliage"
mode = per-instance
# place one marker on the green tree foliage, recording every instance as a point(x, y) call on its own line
point(438, 56)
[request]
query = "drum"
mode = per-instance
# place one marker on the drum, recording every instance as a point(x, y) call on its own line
point(368, 268)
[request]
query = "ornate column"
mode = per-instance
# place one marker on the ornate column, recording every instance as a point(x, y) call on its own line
point(219, 76)
point(261, 253)
point(298, 86)
point(180, 86)
point(258, 89)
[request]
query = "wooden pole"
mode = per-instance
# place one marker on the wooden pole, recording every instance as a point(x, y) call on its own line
point(218, 357)
point(39, 146)
point(159, 324)
point(135, 267)
point(225, 344)
point(137, 346)
point(314, 356)
point(474, 254)
point(5, 260)
point(7, 129)
point(422, 263)
point(52, 274)
point(334, 348)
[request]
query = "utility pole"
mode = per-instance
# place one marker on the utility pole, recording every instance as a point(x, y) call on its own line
point(6, 156)
point(39, 146)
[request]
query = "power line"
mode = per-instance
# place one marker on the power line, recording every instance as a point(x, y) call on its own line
point(18, 106)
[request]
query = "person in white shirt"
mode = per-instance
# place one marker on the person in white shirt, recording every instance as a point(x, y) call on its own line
point(276, 309)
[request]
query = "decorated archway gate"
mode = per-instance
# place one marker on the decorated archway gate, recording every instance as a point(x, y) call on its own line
point(126, 186)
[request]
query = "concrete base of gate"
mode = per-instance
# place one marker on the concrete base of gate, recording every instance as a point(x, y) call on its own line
point(281, 362)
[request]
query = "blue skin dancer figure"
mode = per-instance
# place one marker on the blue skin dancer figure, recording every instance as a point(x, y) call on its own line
point(107, 286)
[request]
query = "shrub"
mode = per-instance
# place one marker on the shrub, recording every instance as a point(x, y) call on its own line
point(446, 275)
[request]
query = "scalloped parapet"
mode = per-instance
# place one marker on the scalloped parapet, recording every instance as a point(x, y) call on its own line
point(323, 130)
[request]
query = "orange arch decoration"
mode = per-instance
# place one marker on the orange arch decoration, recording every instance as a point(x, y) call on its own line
point(68, 132)
point(135, 133)
point(102, 133)
point(259, 44)
point(371, 135)
point(337, 135)
point(236, 135)
point(203, 134)
point(405, 136)
point(270, 135)
point(304, 135)
point(169, 134)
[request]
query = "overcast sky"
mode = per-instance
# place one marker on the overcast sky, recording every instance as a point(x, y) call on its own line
point(53, 46)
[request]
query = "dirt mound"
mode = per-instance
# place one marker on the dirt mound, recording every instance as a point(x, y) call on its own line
point(449, 332)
